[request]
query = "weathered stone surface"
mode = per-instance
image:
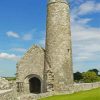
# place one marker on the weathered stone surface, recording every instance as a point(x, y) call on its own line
point(8, 95)
point(4, 84)
point(53, 1)
point(69, 90)
point(85, 86)
point(12, 95)
point(31, 65)
point(58, 55)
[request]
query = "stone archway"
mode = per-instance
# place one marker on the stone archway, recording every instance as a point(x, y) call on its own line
point(34, 85)
point(33, 81)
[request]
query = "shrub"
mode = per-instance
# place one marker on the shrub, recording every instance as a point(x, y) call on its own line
point(89, 77)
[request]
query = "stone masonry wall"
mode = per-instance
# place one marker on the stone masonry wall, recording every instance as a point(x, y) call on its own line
point(58, 55)
point(85, 86)
point(31, 65)
point(7, 95)
point(11, 95)
point(69, 90)
point(4, 84)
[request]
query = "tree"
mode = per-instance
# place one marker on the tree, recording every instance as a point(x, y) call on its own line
point(94, 70)
point(90, 76)
point(77, 76)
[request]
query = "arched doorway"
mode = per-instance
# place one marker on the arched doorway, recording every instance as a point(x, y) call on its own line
point(34, 85)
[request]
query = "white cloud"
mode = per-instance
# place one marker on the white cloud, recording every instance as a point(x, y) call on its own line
point(86, 39)
point(82, 32)
point(19, 49)
point(27, 37)
point(98, 7)
point(89, 7)
point(12, 34)
point(9, 56)
point(84, 21)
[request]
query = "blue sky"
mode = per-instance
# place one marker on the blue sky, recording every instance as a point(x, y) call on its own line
point(23, 24)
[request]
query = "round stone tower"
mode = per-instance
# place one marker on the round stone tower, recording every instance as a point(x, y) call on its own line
point(58, 55)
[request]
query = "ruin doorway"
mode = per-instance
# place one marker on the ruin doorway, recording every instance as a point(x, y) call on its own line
point(35, 85)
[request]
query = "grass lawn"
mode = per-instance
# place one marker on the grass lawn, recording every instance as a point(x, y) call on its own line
point(10, 78)
point(86, 95)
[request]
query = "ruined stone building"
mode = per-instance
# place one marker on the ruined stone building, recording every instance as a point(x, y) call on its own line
point(49, 69)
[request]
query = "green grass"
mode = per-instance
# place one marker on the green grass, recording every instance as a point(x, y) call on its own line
point(10, 78)
point(86, 95)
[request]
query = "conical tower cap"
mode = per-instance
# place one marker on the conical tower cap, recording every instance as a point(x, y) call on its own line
point(51, 1)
